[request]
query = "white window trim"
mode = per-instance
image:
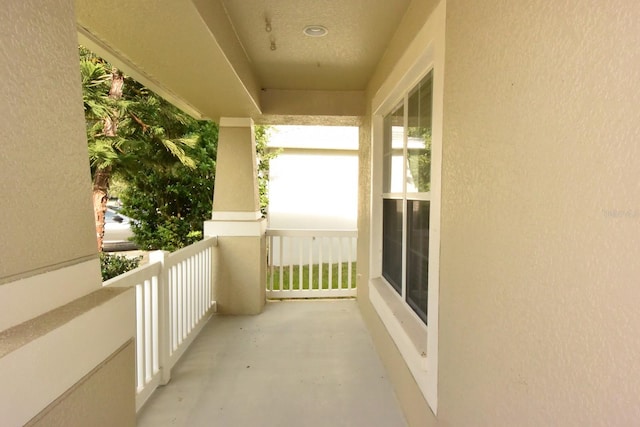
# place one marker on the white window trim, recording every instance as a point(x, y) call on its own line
point(409, 333)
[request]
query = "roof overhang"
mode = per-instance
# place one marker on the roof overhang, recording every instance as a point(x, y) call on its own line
point(186, 53)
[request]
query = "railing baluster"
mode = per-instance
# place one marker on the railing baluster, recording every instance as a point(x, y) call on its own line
point(139, 338)
point(185, 296)
point(331, 239)
point(320, 242)
point(339, 263)
point(270, 244)
point(310, 262)
point(190, 287)
point(175, 313)
point(189, 299)
point(209, 280)
point(193, 280)
point(201, 283)
point(350, 261)
point(280, 262)
point(155, 333)
point(180, 308)
point(146, 292)
point(300, 265)
point(290, 263)
point(198, 288)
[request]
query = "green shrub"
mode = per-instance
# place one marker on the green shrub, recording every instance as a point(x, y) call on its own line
point(171, 203)
point(115, 265)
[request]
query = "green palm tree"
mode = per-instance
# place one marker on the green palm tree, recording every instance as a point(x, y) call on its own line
point(127, 126)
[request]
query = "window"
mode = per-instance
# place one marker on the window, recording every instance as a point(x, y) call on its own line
point(406, 151)
point(406, 196)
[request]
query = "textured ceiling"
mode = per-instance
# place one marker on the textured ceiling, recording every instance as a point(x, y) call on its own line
point(344, 59)
point(214, 57)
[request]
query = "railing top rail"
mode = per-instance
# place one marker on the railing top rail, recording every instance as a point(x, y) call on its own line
point(311, 233)
point(135, 276)
point(181, 254)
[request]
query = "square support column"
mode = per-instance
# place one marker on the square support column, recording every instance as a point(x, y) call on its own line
point(241, 256)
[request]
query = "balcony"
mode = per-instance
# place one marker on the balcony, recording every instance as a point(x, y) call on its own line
point(300, 362)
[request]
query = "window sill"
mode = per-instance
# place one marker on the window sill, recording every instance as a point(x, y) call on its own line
point(407, 331)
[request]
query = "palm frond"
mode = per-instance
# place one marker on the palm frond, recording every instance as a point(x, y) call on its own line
point(179, 153)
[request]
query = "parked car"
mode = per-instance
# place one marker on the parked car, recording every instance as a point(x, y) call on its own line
point(117, 231)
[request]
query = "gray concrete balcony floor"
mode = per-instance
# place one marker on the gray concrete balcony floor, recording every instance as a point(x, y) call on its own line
point(299, 363)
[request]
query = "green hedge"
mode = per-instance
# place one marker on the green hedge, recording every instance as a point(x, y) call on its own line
point(115, 265)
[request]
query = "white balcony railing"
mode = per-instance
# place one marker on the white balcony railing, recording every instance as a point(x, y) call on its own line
point(311, 263)
point(173, 302)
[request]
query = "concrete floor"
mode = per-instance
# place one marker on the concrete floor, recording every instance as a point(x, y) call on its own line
point(300, 363)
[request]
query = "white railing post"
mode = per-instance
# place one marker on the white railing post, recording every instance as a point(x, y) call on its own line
point(164, 316)
point(173, 303)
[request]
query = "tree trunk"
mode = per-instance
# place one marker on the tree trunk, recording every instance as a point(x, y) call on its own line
point(102, 176)
point(100, 196)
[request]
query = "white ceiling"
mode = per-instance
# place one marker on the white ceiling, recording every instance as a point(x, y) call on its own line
point(213, 57)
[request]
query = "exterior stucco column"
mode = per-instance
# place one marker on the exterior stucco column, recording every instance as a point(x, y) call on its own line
point(240, 259)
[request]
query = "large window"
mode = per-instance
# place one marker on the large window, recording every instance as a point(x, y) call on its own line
point(407, 196)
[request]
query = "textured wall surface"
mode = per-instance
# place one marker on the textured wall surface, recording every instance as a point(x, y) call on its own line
point(46, 217)
point(240, 273)
point(540, 214)
point(104, 398)
point(236, 188)
point(414, 19)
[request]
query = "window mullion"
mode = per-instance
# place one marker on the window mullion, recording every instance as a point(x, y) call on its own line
point(405, 136)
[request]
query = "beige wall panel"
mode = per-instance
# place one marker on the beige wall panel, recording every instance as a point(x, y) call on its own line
point(45, 195)
point(540, 214)
point(413, 20)
point(236, 189)
point(414, 406)
point(104, 398)
point(240, 274)
point(364, 208)
point(312, 102)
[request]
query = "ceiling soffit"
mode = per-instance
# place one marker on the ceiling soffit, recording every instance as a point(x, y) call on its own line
point(167, 45)
point(343, 60)
point(214, 57)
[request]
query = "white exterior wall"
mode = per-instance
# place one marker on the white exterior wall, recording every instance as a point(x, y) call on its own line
point(313, 183)
point(314, 190)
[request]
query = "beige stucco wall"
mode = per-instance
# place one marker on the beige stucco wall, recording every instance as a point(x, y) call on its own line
point(44, 170)
point(48, 252)
point(104, 398)
point(540, 214)
point(240, 274)
point(236, 189)
point(540, 219)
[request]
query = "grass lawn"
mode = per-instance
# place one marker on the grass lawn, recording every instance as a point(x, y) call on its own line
point(295, 270)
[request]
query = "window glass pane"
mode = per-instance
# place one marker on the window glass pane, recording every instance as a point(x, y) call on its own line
point(393, 144)
point(418, 256)
point(419, 137)
point(392, 242)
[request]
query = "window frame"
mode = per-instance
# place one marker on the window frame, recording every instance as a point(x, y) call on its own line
point(416, 342)
point(405, 195)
